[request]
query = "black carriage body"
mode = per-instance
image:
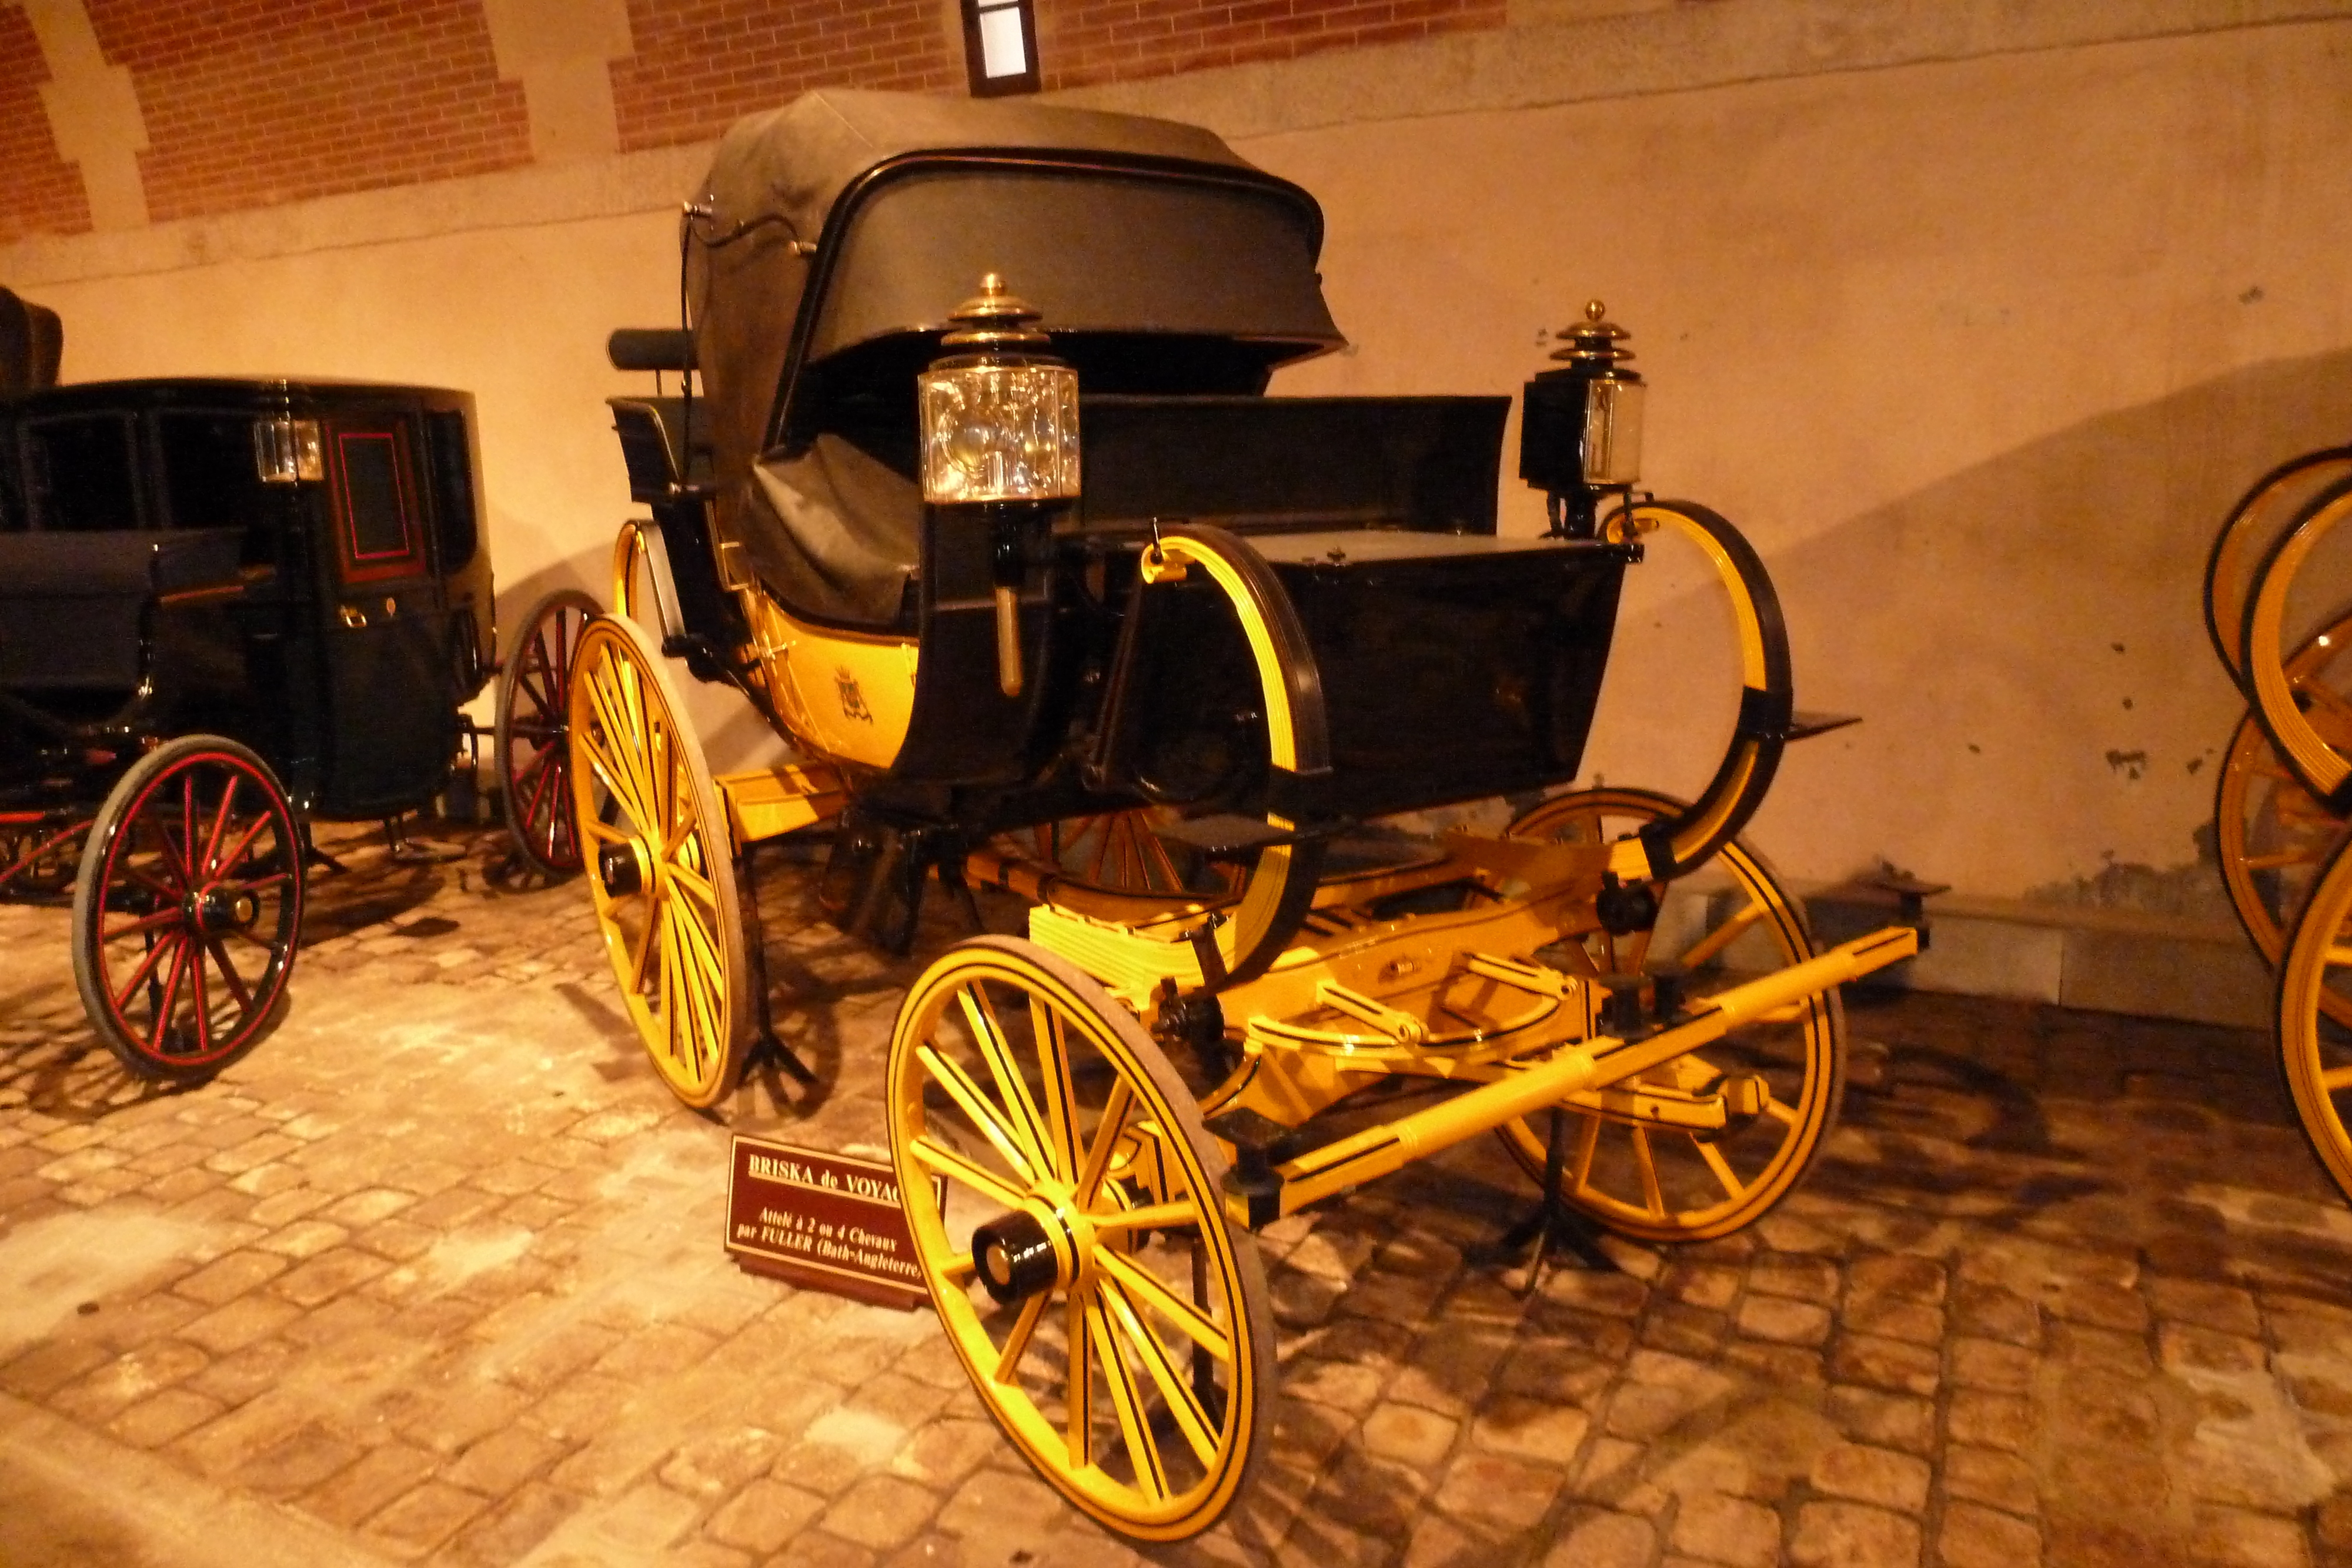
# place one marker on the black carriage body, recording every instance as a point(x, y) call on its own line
point(154, 582)
point(1175, 278)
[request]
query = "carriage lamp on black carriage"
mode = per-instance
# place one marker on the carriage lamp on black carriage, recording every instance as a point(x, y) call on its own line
point(999, 438)
point(1581, 425)
point(288, 451)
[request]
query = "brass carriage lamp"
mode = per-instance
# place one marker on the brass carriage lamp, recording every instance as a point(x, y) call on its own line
point(1581, 425)
point(999, 440)
point(288, 451)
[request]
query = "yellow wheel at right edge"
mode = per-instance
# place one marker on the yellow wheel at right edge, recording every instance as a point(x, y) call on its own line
point(1660, 1182)
point(2271, 835)
point(660, 862)
point(2315, 1051)
point(1113, 1320)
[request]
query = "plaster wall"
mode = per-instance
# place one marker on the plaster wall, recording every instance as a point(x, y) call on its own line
point(1978, 351)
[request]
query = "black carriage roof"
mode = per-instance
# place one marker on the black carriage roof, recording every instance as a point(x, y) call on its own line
point(796, 161)
point(258, 391)
point(886, 207)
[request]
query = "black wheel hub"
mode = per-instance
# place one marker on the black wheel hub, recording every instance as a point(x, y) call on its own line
point(1013, 1257)
point(616, 866)
point(218, 910)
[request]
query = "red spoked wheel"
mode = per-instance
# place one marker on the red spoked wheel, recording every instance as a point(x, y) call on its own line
point(187, 908)
point(533, 740)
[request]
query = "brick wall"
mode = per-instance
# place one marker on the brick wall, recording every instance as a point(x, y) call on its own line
point(247, 103)
point(701, 65)
point(253, 102)
point(39, 193)
point(1083, 43)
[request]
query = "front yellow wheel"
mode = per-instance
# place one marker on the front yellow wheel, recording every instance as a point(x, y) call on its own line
point(660, 862)
point(2315, 1051)
point(1111, 1319)
point(1709, 1142)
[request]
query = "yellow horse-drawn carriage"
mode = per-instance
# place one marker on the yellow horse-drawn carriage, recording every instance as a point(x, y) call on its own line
point(1069, 606)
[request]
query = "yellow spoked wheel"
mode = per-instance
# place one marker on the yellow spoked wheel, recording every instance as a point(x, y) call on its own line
point(660, 862)
point(2272, 833)
point(2315, 1050)
point(1710, 1141)
point(1113, 1321)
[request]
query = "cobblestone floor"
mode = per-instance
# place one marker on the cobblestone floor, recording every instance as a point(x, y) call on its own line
point(435, 1276)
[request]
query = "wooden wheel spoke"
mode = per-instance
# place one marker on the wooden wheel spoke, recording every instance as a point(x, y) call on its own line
point(1079, 1419)
point(146, 966)
point(608, 771)
point(169, 1001)
point(2303, 855)
point(1127, 1404)
point(2335, 1078)
point(155, 922)
point(1061, 1094)
point(1587, 1144)
point(1645, 1159)
point(605, 833)
point(629, 782)
point(695, 884)
point(702, 980)
point(949, 1075)
point(188, 848)
point(1175, 1387)
point(1016, 1343)
point(148, 881)
point(1733, 1188)
point(1177, 1216)
point(236, 982)
point(642, 956)
point(221, 819)
point(199, 1001)
point(236, 852)
point(1708, 946)
point(1022, 1119)
point(1107, 1135)
point(1149, 1288)
point(938, 1158)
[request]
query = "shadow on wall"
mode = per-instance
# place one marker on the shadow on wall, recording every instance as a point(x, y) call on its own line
point(2026, 640)
point(732, 733)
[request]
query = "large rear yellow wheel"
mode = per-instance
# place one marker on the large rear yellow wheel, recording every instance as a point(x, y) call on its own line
point(1113, 1321)
point(660, 863)
point(1709, 1142)
point(2315, 1050)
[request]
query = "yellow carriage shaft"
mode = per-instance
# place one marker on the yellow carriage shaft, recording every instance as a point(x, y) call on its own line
point(1572, 1069)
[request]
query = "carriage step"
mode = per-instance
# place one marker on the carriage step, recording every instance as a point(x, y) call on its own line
point(1260, 1143)
point(1805, 726)
point(1226, 835)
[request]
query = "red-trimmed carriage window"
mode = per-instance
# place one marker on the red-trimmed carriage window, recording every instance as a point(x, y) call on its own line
point(375, 507)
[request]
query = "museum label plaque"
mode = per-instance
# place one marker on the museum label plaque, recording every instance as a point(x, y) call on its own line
point(829, 1221)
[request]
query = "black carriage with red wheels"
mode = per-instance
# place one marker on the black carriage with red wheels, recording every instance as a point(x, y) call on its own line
point(227, 607)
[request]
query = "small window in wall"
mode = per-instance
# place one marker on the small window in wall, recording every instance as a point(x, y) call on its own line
point(999, 46)
point(80, 474)
point(373, 504)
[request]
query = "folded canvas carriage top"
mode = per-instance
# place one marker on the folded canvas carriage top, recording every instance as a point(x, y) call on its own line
point(844, 228)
